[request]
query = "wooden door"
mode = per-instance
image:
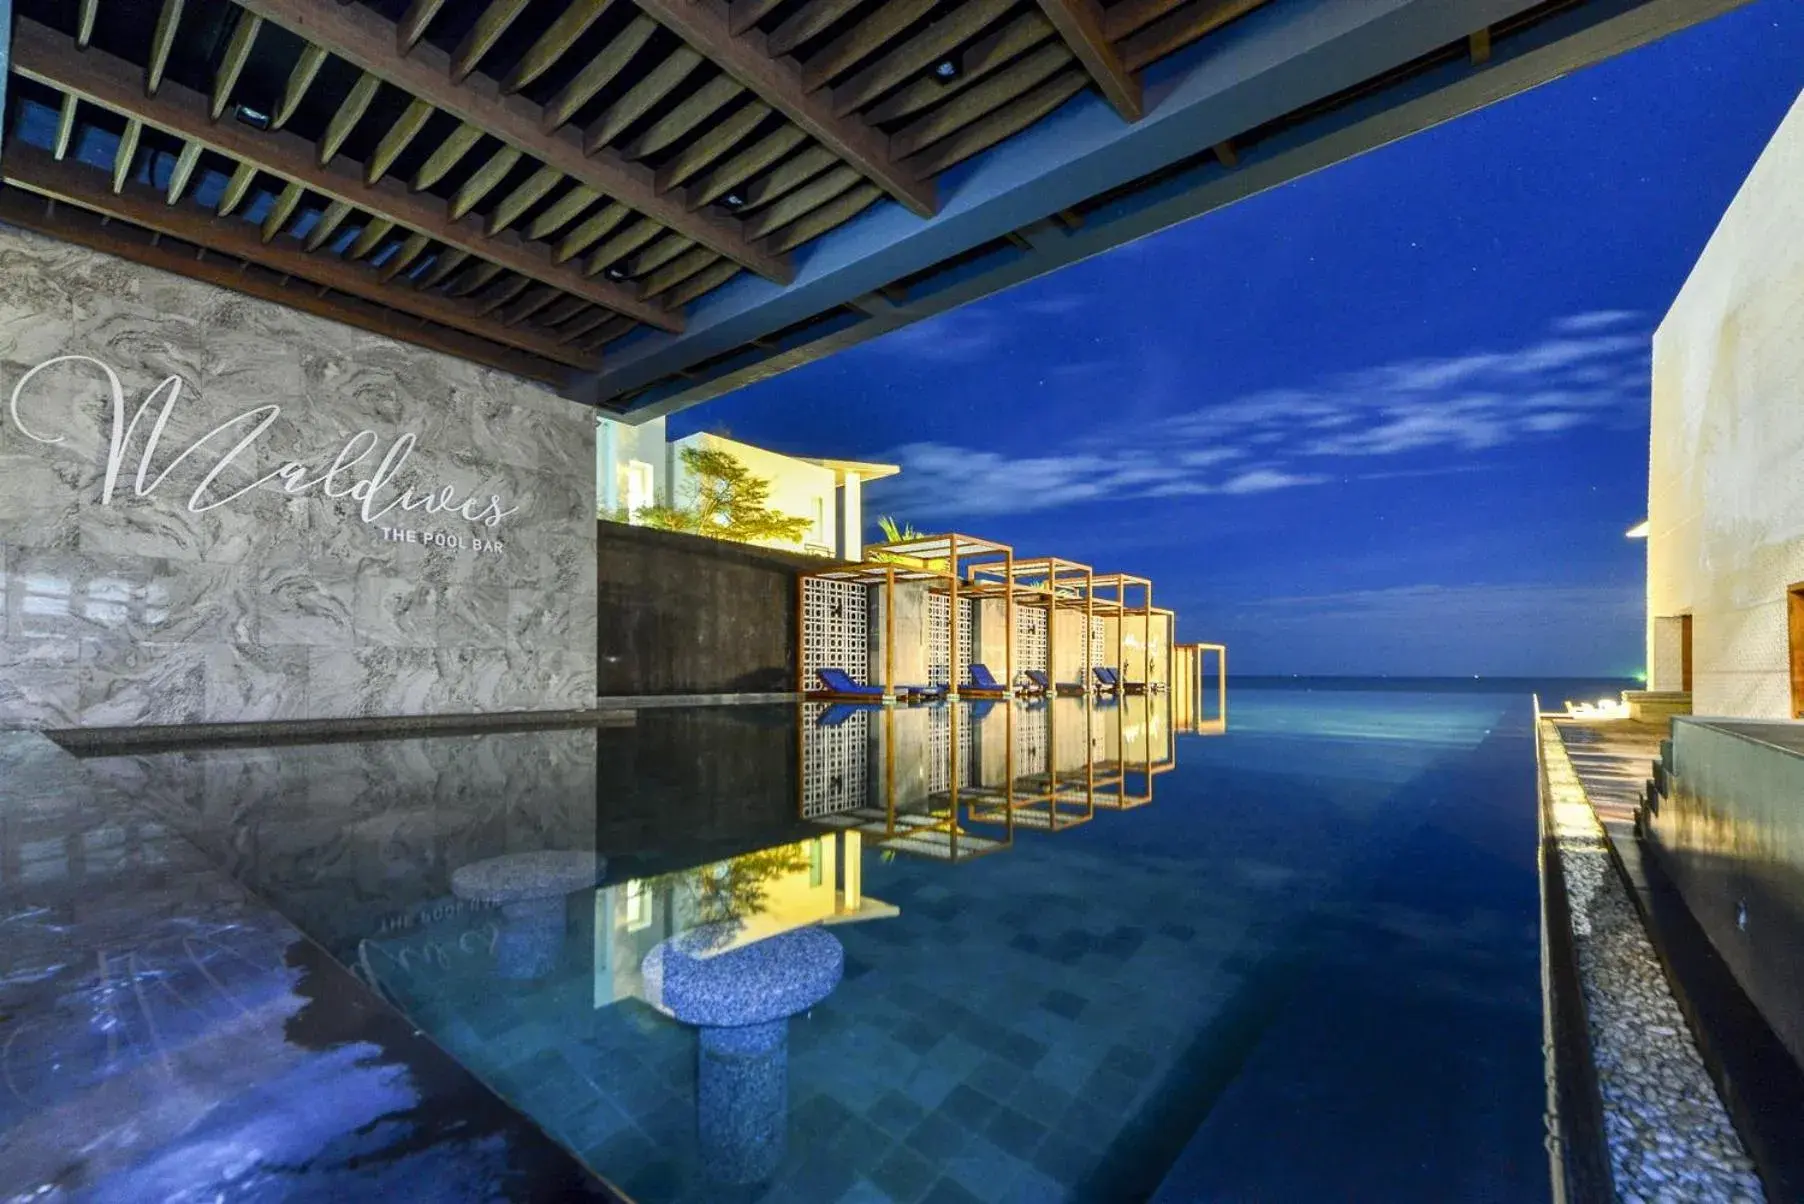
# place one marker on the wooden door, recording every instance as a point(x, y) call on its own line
point(1794, 611)
point(1685, 653)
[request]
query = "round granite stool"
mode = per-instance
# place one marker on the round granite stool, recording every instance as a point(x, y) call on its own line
point(529, 888)
point(740, 1003)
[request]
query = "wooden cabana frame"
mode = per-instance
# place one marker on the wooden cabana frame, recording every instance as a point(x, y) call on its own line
point(1044, 582)
point(1195, 724)
point(884, 575)
point(946, 557)
point(1114, 592)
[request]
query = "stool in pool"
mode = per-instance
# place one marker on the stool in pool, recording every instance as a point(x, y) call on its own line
point(740, 1003)
point(529, 888)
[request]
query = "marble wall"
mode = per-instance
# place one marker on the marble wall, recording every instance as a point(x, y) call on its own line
point(168, 603)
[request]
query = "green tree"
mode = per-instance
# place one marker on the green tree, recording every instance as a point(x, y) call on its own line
point(725, 502)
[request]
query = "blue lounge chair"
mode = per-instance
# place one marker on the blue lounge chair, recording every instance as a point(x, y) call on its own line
point(1045, 686)
point(839, 684)
point(1106, 680)
point(984, 683)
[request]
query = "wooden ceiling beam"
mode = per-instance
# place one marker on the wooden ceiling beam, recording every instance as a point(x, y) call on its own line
point(551, 45)
point(1180, 28)
point(978, 60)
point(366, 39)
point(483, 35)
point(705, 25)
point(36, 171)
point(1129, 16)
point(44, 55)
point(162, 41)
point(1080, 24)
point(300, 78)
point(87, 229)
point(930, 45)
point(865, 38)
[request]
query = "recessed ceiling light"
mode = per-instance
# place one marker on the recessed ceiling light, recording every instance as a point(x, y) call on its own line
point(615, 272)
point(255, 118)
point(946, 69)
point(733, 201)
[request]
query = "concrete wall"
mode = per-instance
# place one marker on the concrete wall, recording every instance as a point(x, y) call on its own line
point(248, 580)
point(1725, 494)
point(680, 614)
point(1067, 647)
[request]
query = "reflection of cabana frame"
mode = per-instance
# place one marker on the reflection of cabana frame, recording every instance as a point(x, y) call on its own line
point(1112, 594)
point(1120, 798)
point(943, 560)
point(1050, 801)
point(937, 833)
point(1047, 583)
point(1189, 688)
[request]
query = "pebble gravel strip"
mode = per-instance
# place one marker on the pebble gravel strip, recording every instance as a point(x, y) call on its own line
point(1670, 1138)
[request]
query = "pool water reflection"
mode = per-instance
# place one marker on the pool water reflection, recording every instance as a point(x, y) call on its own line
point(1077, 951)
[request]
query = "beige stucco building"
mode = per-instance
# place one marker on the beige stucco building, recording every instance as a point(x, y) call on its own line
point(638, 466)
point(1725, 575)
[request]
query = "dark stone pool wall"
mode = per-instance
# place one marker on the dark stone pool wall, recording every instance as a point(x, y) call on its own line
point(685, 615)
point(1728, 825)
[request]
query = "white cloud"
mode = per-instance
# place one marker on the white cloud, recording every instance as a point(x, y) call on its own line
point(1589, 371)
point(1264, 480)
point(1597, 319)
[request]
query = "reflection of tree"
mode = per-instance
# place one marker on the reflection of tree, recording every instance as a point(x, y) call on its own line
point(722, 894)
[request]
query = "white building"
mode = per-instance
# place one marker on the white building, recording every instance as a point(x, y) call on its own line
point(638, 466)
point(1725, 572)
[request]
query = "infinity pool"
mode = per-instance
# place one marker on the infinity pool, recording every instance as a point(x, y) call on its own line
point(1090, 952)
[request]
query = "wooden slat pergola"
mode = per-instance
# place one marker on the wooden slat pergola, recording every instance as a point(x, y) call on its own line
point(951, 558)
point(524, 182)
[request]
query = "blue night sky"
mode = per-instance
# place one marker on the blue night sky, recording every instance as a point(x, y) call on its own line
point(1390, 418)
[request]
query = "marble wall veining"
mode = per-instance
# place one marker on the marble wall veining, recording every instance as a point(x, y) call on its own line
point(282, 603)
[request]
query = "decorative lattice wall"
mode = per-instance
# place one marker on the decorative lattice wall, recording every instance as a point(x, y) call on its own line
point(939, 610)
point(835, 763)
point(1030, 639)
point(1099, 651)
point(836, 628)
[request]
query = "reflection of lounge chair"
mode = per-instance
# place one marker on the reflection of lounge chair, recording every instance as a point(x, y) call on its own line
point(1106, 680)
point(984, 683)
point(980, 710)
point(1044, 683)
point(839, 712)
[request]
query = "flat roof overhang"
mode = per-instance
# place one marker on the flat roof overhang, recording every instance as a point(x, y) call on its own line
point(1286, 90)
